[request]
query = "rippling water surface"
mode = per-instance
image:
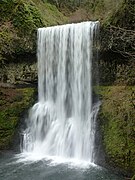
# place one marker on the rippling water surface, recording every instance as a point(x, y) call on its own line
point(14, 167)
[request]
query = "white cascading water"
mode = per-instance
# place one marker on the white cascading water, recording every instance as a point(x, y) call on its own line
point(62, 123)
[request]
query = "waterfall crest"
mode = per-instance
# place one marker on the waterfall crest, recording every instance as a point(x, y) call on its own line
point(62, 122)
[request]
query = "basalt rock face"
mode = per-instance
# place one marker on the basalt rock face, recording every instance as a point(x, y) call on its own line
point(117, 125)
point(23, 73)
point(117, 55)
point(116, 70)
point(116, 91)
point(13, 103)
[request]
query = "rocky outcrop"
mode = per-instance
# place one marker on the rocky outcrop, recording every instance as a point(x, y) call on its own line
point(13, 103)
point(116, 119)
point(116, 90)
point(19, 74)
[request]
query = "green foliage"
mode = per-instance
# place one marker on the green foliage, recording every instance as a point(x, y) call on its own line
point(101, 9)
point(125, 16)
point(19, 21)
point(26, 18)
point(71, 4)
point(93, 5)
point(50, 14)
point(23, 14)
point(8, 40)
point(7, 7)
point(117, 33)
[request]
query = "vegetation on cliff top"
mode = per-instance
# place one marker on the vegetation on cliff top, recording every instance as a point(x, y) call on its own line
point(117, 22)
point(19, 21)
point(119, 29)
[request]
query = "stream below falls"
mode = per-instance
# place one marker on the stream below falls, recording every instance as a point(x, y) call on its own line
point(14, 167)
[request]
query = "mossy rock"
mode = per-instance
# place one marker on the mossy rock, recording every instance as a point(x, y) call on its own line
point(16, 102)
point(117, 118)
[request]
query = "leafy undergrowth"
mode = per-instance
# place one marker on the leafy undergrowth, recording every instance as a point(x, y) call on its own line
point(13, 102)
point(19, 22)
point(117, 116)
point(99, 10)
point(50, 14)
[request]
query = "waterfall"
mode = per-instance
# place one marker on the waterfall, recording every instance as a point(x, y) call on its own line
point(62, 122)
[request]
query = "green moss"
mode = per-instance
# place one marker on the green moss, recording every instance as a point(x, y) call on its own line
point(7, 7)
point(26, 18)
point(118, 125)
point(50, 14)
point(11, 113)
point(6, 138)
point(20, 20)
point(101, 9)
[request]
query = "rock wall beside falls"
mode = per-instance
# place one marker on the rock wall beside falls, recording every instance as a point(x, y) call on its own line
point(20, 73)
point(13, 105)
point(116, 90)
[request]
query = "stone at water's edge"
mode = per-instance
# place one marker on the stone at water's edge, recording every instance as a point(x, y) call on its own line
point(13, 103)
